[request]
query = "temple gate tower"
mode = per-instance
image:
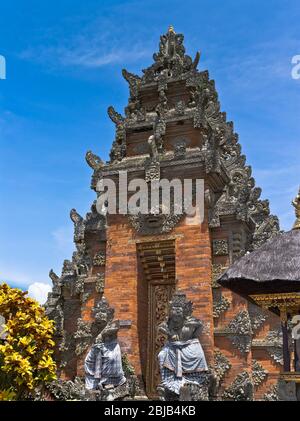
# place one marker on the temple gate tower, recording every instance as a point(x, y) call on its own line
point(172, 128)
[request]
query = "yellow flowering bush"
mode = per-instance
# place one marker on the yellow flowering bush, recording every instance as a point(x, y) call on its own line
point(26, 351)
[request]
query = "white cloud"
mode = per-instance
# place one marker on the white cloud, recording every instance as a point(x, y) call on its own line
point(39, 291)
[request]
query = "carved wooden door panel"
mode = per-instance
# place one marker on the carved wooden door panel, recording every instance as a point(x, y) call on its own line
point(159, 296)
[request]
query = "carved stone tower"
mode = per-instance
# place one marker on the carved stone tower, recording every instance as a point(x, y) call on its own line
point(172, 129)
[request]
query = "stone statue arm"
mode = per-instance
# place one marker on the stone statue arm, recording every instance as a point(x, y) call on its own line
point(195, 326)
point(164, 329)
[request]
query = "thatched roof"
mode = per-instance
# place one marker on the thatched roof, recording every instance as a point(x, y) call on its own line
point(274, 267)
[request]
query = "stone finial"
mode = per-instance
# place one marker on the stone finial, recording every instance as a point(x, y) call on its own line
point(171, 29)
point(296, 204)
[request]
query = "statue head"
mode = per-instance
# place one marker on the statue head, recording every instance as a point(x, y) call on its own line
point(109, 333)
point(180, 308)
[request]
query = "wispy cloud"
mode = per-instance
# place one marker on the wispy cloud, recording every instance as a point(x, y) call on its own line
point(87, 55)
point(97, 44)
point(63, 237)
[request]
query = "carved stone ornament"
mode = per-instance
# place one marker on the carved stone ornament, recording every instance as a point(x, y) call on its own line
point(241, 389)
point(259, 374)
point(99, 285)
point(154, 223)
point(104, 374)
point(180, 365)
point(217, 271)
point(152, 171)
point(222, 365)
point(67, 390)
point(257, 316)
point(272, 394)
point(99, 259)
point(180, 149)
point(220, 248)
point(79, 226)
point(240, 332)
point(220, 306)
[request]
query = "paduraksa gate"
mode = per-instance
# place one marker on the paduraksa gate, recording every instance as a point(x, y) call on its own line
point(173, 128)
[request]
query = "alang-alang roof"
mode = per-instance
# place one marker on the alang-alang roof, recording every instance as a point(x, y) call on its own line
point(274, 267)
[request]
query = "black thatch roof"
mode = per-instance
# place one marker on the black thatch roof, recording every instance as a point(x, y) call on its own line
point(274, 267)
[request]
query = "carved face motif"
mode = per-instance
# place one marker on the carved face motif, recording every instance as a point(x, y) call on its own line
point(176, 314)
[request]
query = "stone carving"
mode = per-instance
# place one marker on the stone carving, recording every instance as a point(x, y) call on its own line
point(83, 329)
point(81, 260)
point(103, 314)
point(99, 259)
point(83, 336)
point(171, 60)
point(68, 269)
point(103, 363)
point(67, 390)
point(159, 130)
point(241, 389)
point(152, 171)
point(180, 108)
point(99, 286)
point(259, 374)
point(274, 345)
point(79, 226)
point(180, 149)
point(217, 271)
point(134, 82)
point(79, 285)
point(220, 247)
point(222, 365)
point(257, 316)
point(118, 150)
point(220, 306)
point(240, 332)
point(54, 304)
point(287, 391)
point(182, 359)
point(272, 394)
point(154, 223)
point(95, 222)
point(94, 161)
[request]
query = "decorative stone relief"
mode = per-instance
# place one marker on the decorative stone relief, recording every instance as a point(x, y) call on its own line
point(180, 149)
point(99, 259)
point(67, 390)
point(241, 389)
point(222, 365)
point(217, 271)
point(220, 248)
point(220, 306)
point(154, 223)
point(83, 329)
point(152, 171)
point(79, 226)
point(240, 332)
point(272, 394)
point(259, 374)
point(94, 161)
point(99, 285)
point(257, 316)
point(79, 285)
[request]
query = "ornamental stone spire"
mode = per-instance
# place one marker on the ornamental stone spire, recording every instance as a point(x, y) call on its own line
point(296, 204)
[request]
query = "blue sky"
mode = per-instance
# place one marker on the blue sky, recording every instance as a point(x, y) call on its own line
point(64, 61)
